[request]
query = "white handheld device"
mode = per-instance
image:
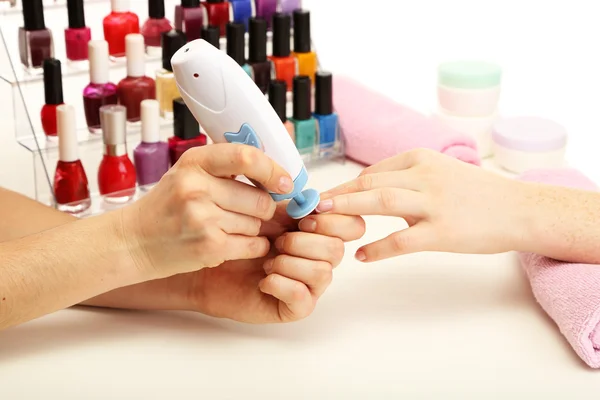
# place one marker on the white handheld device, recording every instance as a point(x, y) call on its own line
point(232, 109)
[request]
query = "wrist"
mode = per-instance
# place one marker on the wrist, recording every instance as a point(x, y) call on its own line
point(524, 224)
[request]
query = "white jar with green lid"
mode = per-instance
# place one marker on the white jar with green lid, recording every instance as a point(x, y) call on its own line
point(469, 88)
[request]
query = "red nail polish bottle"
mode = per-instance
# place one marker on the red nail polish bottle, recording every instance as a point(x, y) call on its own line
point(154, 27)
point(219, 14)
point(116, 174)
point(284, 64)
point(136, 87)
point(117, 25)
point(53, 93)
point(77, 35)
point(189, 19)
point(186, 129)
point(71, 189)
point(35, 40)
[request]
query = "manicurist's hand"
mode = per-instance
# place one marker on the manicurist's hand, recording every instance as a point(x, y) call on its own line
point(198, 216)
point(449, 205)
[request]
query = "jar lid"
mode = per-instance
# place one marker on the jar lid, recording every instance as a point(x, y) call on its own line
point(469, 74)
point(531, 134)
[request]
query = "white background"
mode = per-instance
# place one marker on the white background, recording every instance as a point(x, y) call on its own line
point(419, 327)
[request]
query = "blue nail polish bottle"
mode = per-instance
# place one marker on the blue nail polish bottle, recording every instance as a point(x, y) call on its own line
point(236, 45)
point(242, 11)
point(305, 126)
point(327, 119)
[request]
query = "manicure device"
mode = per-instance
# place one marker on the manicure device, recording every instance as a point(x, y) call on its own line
point(232, 109)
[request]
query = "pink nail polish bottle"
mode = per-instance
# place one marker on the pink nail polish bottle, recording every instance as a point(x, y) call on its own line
point(77, 35)
point(155, 26)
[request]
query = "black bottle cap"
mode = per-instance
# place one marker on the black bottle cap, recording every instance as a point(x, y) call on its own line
point(76, 14)
point(156, 9)
point(215, 1)
point(282, 24)
point(302, 31)
point(236, 42)
point(185, 125)
point(190, 3)
point(53, 89)
point(278, 98)
point(171, 42)
point(323, 93)
point(33, 15)
point(302, 97)
point(212, 35)
point(257, 31)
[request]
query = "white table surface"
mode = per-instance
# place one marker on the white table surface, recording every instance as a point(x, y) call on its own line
point(424, 326)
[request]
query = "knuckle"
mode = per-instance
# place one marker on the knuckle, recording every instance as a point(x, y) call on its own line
point(337, 250)
point(245, 155)
point(265, 206)
point(418, 155)
point(255, 228)
point(399, 242)
point(387, 199)
point(364, 182)
point(325, 274)
point(299, 292)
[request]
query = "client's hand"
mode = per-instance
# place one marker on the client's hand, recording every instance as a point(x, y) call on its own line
point(449, 205)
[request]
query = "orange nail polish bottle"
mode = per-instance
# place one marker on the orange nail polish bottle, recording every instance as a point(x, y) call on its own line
point(307, 59)
point(284, 64)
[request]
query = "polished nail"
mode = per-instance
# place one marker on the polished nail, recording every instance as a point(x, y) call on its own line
point(268, 266)
point(285, 184)
point(308, 225)
point(325, 206)
point(360, 255)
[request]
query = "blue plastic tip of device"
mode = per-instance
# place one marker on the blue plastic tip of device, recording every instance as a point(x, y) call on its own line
point(303, 204)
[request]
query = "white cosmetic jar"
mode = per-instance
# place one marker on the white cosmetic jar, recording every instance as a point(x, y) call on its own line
point(479, 128)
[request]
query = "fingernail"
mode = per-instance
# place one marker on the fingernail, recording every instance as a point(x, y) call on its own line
point(360, 255)
point(279, 244)
point(268, 267)
point(308, 225)
point(285, 184)
point(325, 205)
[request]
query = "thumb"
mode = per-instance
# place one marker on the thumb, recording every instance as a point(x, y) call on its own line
point(411, 240)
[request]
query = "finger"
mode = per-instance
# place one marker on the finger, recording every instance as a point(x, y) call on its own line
point(345, 227)
point(402, 161)
point(385, 201)
point(411, 240)
point(295, 299)
point(241, 198)
point(312, 247)
point(399, 179)
point(239, 247)
point(317, 275)
point(238, 224)
point(227, 159)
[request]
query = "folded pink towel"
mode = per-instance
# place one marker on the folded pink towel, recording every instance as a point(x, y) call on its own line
point(569, 293)
point(375, 127)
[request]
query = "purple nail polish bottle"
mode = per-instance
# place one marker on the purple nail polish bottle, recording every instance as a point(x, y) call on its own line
point(265, 10)
point(151, 156)
point(35, 40)
point(100, 92)
point(289, 6)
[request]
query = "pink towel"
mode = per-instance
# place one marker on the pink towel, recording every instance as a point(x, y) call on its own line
point(375, 127)
point(569, 293)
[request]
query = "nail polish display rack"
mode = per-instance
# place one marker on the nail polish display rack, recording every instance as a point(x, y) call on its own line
point(22, 98)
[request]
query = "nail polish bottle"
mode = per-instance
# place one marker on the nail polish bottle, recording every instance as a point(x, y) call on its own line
point(71, 190)
point(285, 66)
point(53, 93)
point(116, 174)
point(265, 10)
point(307, 59)
point(77, 35)
point(155, 26)
point(278, 99)
point(117, 25)
point(100, 91)
point(289, 6)
point(212, 34)
point(151, 156)
point(136, 87)
point(35, 40)
point(189, 18)
point(326, 118)
point(218, 13)
point(166, 87)
point(186, 130)
point(236, 46)
point(261, 66)
point(242, 10)
point(305, 126)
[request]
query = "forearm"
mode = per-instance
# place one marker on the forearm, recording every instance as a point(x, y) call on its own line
point(62, 266)
point(561, 223)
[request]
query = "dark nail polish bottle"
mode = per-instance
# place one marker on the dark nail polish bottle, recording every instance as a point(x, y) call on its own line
point(186, 129)
point(35, 40)
point(257, 59)
point(212, 34)
point(236, 46)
